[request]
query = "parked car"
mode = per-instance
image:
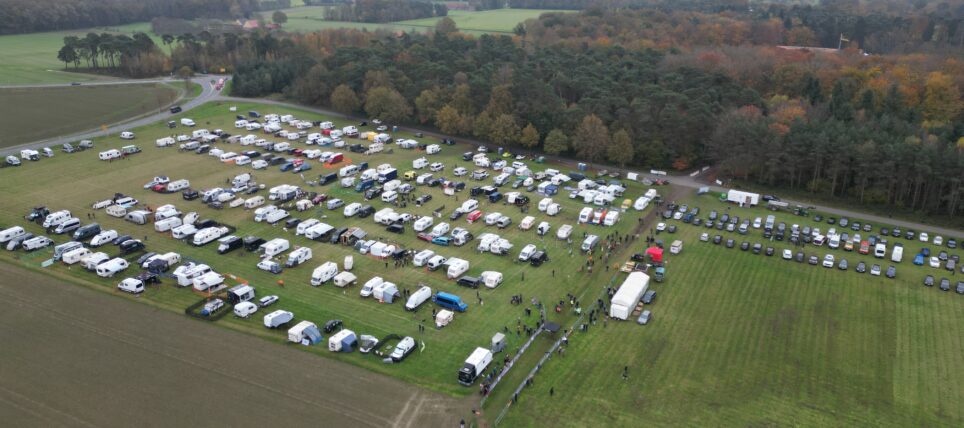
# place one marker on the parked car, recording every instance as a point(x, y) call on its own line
point(644, 318)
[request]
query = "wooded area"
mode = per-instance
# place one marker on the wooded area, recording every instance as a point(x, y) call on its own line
point(385, 10)
point(648, 88)
point(28, 16)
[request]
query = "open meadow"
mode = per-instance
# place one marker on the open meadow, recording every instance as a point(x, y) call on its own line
point(743, 339)
point(29, 59)
point(81, 179)
point(78, 108)
point(312, 18)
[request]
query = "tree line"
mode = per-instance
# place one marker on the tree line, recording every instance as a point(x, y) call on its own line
point(28, 16)
point(385, 10)
point(135, 56)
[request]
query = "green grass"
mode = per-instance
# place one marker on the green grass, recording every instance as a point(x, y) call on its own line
point(749, 340)
point(78, 108)
point(311, 18)
point(90, 180)
point(32, 58)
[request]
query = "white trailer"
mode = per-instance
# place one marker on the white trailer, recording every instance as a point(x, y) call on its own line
point(743, 198)
point(628, 295)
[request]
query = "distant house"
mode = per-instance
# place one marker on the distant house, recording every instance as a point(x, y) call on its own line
point(253, 24)
point(458, 5)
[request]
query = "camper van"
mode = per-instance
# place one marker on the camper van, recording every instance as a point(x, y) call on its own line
point(111, 267)
point(324, 273)
point(131, 285)
point(527, 252)
point(36, 243)
point(585, 215)
point(416, 299)
point(55, 218)
point(109, 154)
point(590, 243)
point(298, 256)
point(274, 247)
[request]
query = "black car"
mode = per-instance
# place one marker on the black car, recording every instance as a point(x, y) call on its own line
point(909, 235)
point(143, 258)
point(799, 257)
point(421, 200)
point(843, 265)
point(861, 267)
point(929, 281)
point(190, 194)
point(942, 256)
point(365, 211)
point(730, 243)
point(717, 239)
point(831, 220)
point(769, 198)
point(891, 272)
point(895, 233)
point(697, 221)
point(868, 227)
point(175, 109)
point(332, 326)
point(713, 215)
point(725, 218)
point(945, 284)
point(396, 228)
point(469, 281)
point(538, 258)
point(952, 243)
point(844, 221)
point(252, 243)
point(648, 297)
point(709, 224)
point(130, 246)
point(769, 252)
point(745, 246)
point(121, 239)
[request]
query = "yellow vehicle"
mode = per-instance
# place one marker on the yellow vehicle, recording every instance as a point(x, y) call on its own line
point(410, 175)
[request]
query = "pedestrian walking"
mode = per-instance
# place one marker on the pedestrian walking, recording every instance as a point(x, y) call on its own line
point(625, 372)
point(552, 391)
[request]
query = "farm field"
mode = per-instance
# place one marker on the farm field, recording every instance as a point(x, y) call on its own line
point(79, 108)
point(27, 59)
point(749, 340)
point(435, 366)
point(312, 18)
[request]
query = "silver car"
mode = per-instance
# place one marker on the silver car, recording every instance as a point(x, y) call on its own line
point(644, 318)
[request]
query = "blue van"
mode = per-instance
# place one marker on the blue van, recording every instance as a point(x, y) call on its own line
point(449, 301)
point(287, 166)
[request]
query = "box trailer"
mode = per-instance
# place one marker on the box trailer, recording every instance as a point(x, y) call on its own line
point(627, 297)
point(474, 366)
point(743, 198)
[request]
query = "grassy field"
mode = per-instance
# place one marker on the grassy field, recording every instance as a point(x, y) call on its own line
point(737, 338)
point(445, 350)
point(78, 108)
point(32, 58)
point(749, 340)
point(312, 18)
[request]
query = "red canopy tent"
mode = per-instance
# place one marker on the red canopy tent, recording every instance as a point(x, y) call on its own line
point(655, 253)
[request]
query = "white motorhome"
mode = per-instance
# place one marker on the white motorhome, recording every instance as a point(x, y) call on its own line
point(261, 213)
point(109, 154)
point(167, 224)
point(419, 163)
point(55, 218)
point(324, 273)
point(298, 256)
point(469, 206)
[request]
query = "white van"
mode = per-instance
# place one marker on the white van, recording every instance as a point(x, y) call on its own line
point(527, 252)
point(419, 163)
point(68, 225)
point(880, 251)
point(188, 122)
point(898, 254)
point(36, 243)
point(418, 297)
point(369, 286)
point(324, 273)
point(104, 237)
point(305, 225)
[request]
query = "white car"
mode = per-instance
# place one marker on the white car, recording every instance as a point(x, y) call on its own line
point(705, 237)
point(660, 227)
point(787, 254)
point(267, 301)
point(460, 171)
point(924, 237)
point(436, 167)
point(828, 261)
point(938, 240)
point(935, 262)
point(677, 215)
point(127, 135)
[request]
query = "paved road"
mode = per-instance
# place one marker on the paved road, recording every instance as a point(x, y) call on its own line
point(677, 180)
point(72, 356)
point(208, 93)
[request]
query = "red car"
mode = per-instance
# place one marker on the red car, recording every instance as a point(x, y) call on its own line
point(474, 216)
point(298, 152)
point(864, 247)
point(424, 237)
point(319, 199)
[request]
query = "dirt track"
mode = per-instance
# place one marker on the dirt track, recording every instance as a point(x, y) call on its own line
point(71, 356)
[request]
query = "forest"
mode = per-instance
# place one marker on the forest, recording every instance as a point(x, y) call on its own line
point(28, 16)
point(650, 88)
point(385, 10)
